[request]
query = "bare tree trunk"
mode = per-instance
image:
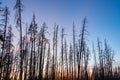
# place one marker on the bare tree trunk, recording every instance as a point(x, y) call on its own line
point(18, 8)
point(21, 53)
point(74, 52)
point(66, 59)
point(100, 52)
point(81, 46)
point(95, 72)
point(62, 67)
point(71, 62)
point(41, 51)
point(31, 61)
point(47, 64)
point(9, 54)
point(34, 40)
point(5, 20)
point(26, 56)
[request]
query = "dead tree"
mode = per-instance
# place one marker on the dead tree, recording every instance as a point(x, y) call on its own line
point(19, 8)
point(95, 68)
point(54, 59)
point(109, 57)
point(62, 53)
point(66, 59)
point(81, 47)
point(5, 24)
point(26, 53)
point(9, 53)
point(74, 51)
point(56, 50)
point(41, 53)
point(31, 53)
point(71, 62)
point(47, 63)
point(101, 57)
point(86, 58)
point(33, 32)
point(34, 39)
point(5, 21)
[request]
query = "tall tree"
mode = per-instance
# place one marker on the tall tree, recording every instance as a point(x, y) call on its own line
point(5, 23)
point(33, 32)
point(86, 58)
point(25, 52)
point(95, 67)
point(101, 57)
point(66, 58)
point(74, 51)
point(9, 53)
point(47, 63)
point(62, 54)
point(81, 46)
point(109, 57)
point(19, 8)
point(71, 58)
point(54, 51)
point(41, 52)
point(5, 19)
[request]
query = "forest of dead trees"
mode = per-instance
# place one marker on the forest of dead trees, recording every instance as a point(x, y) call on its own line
point(40, 58)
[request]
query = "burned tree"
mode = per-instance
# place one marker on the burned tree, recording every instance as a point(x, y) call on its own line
point(32, 32)
point(5, 19)
point(19, 8)
point(82, 46)
point(74, 51)
point(101, 59)
point(71, 62)
point(95, 67)
point(62, 54)
point(9, 53)
point(54, 59)
point(41, 52)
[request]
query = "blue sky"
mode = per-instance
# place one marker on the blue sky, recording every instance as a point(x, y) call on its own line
point(103, 17)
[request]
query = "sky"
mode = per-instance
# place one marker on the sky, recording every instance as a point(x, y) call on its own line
point(103, 17)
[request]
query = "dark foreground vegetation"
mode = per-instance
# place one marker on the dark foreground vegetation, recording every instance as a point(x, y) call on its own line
point(39, 58)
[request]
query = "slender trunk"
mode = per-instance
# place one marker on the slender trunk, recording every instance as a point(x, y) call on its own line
point(31, 61)
point(9, 53)
point(47, 64)
point(3, 50)
point(74, 51)
point(44, 49)
point(21, 53)
point(34, 61)
point(41, 53)
point(62, 67)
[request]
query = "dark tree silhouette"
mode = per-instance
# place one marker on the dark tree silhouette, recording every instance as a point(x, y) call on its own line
point(39, 56)
point(3, 36)
point(9, 53)
point(19, 8)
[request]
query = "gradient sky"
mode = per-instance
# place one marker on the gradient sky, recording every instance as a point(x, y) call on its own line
point(103, 17)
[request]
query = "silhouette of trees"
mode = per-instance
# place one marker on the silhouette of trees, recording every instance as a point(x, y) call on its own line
point(9, 53)
point(42, 42)
point(74, 51)
point(54, 57)
point(95, 68)
point(103, 70)
point(4, 54)
point(62, 54)
point(33, 31)
point(42, 57)
point(19, 8)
